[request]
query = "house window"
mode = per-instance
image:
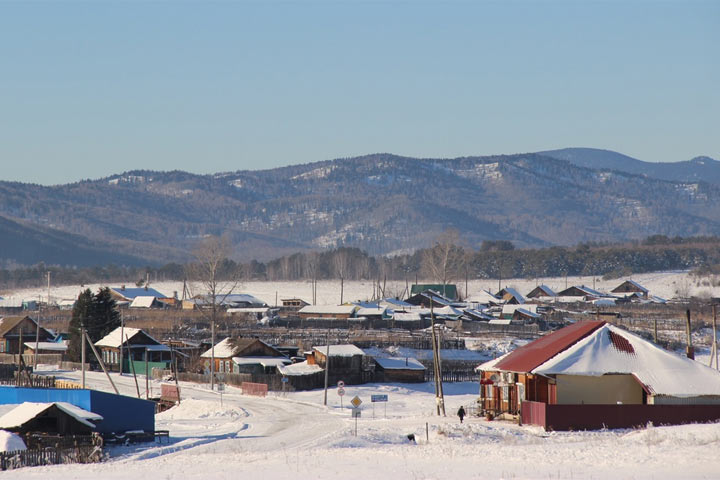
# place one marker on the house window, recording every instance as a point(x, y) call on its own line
point(227, 366)
point(489, 391)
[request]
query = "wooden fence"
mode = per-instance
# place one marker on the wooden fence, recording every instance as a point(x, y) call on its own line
point(50, 456)
point(29, 359)
point(28, 380)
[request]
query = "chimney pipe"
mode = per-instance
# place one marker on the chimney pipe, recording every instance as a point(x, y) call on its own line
point(690, 349)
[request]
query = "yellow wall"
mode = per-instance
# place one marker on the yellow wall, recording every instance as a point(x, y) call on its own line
point(602, 390)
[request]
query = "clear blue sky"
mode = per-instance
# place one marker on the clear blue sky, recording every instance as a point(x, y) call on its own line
point(88, 89)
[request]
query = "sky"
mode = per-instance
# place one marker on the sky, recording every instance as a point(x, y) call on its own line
point(91, 89)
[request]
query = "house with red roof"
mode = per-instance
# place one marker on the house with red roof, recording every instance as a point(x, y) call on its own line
point(593, 374)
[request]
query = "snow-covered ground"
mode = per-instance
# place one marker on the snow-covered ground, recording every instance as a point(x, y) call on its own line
point(294, 436)
point(662, 284)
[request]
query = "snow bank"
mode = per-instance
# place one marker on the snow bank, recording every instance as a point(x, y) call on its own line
point(10, 442)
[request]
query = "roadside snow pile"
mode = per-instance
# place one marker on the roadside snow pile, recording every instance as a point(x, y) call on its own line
point(194, 409)
point(10, 442)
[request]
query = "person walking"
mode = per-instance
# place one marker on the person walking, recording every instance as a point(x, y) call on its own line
point(461, 413)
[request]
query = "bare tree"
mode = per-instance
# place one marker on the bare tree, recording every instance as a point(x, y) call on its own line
point(444, 260)
point(210, 277)
point(341, 263)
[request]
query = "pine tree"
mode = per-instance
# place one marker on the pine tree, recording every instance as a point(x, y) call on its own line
point(105, 315)
point(81, 315)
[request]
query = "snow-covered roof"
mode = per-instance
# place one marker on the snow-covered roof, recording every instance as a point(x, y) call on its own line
point(329, 309)
point(56, 346)
point(114, 340)
point(500, 321)
point(142, 301)
point(222, 350)
point(528, 313)
point(406, 316)
point(514, 293)
point(447, 310)
point(131, 293)
point(25, 412)
point(298, 369)
point(490, 364)
point(364, 311)
point(509, 309)
point(264, 361)
point(347, 350)
point(399, 363)
point(248, 310)
point(612, 350)
point(483, 297)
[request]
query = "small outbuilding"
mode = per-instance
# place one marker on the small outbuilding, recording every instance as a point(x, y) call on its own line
point(399, 369)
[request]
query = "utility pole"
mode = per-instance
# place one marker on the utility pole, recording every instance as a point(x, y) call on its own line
point(690, 349)
point(37, 337)
point(437, 369)
point(341, 290)
point(714, 351)
point(327, 367)
point(82, 351)
point(147, 376)
point(122, 340)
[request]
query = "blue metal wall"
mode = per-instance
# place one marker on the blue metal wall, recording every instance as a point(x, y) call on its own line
point(120, 413)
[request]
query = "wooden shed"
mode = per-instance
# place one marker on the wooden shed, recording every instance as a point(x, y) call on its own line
point(399, 369)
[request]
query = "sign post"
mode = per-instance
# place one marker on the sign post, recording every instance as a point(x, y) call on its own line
point(379, 398)
point(356, 410)
point(341, 392)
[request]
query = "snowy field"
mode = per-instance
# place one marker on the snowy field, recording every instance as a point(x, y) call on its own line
point(294, 436)
point(662, 284)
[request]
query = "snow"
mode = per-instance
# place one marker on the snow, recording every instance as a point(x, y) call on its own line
point(10, 442)
point(663, 372)
point(292, 434)
point(114, 339)
point(142, 302)
point(29, 410)
point(222, 350)
point(399, 363)
point(298, 369)
point(328, 309)
point(661, 284)
point(347, 350)
point(264, 361)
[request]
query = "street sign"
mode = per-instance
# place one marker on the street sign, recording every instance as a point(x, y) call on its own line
point(285, 379)
point(356, 401)
point(341, 391)
point(341, 384)
point(221, 387)
point(378, 398)
point(356, 412)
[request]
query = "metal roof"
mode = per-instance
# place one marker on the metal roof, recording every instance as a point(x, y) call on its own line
point(131, 293)
point(529, 356)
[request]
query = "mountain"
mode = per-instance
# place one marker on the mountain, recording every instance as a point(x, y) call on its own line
point(381, 203)
point(695, 170)
point(30, 244)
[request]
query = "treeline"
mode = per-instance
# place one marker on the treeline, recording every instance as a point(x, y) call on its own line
point(445, 261)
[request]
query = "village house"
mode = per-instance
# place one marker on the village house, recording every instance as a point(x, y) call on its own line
point(15, 331)
point(53, 418)
point(449, 291)
point(244, 355)
point(399, 369)
point(339, 312)
point(137, 347)
point(541, 291)
point(591, 374)
point(631, 288)
point(510, 296)
point(347, 362)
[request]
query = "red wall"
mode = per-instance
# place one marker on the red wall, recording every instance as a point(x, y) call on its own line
point(595, 417)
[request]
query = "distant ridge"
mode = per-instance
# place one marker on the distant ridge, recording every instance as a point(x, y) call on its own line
point(381, 203)
point(698, 169)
